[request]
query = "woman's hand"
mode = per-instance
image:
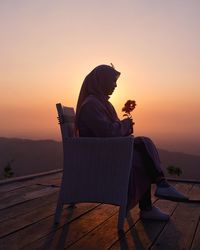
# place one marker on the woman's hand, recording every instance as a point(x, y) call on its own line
point(132, 122)
point(130, 125)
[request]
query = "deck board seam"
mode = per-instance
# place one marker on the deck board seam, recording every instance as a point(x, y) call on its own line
point(124, 234)
point(68, 222)
point(48, 185)
point(30, 183)
point(13, 205)
point(44, 218)
point(195, 233)
point(166, 225)
point(91, 230)
point(21, 202)
point(193, 201)
point(27, 212)
point(163, 228)
point(22, 227)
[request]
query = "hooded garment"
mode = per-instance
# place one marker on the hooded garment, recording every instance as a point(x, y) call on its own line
point(95, 115)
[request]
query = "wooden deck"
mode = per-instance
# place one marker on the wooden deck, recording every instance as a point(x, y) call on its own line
point(27, 210)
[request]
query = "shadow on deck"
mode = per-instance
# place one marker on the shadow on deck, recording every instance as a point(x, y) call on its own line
point(27, 208)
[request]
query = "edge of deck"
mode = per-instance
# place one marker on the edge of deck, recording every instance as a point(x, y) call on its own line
point(28, 177)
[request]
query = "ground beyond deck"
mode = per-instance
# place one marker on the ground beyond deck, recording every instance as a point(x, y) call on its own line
point(27, 210)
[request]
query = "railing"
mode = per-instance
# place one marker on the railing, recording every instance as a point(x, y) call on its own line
point(32, 176)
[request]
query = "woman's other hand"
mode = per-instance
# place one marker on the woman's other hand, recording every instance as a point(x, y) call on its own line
point(129, 125)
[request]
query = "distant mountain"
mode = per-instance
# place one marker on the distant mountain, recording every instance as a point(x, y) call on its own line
point(189, 164)
point(29, 156)
point(34, 156)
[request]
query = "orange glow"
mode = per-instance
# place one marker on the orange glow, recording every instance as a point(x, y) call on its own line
point(45, 56)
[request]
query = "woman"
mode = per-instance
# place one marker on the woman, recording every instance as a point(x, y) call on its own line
point(96, 117)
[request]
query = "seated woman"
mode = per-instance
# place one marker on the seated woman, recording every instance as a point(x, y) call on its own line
point(96, 117)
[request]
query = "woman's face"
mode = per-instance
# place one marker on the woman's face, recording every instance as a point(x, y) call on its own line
point(111, 88)
point(107, 77)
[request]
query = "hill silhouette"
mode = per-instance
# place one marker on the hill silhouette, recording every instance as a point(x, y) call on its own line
point(190, 164)
point(35, 156)
point(29, 156)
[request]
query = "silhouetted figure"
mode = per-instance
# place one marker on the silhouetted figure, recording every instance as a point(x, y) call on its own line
point(96, 117)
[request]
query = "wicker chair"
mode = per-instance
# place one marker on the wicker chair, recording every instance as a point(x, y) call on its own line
point(94, 169)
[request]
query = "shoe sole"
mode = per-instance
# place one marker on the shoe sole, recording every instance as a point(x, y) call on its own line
point(172, 198)
point(154, 220)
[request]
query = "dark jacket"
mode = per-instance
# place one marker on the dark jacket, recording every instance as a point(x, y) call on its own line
point(95, 120)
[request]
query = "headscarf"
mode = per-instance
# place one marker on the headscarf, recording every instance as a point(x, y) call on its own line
point(96, 83)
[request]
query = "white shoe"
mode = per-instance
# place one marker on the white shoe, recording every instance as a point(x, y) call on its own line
point(170, 193)
point(154, 214)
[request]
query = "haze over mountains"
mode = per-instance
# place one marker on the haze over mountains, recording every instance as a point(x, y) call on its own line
point(30, 156)
point(35, 156)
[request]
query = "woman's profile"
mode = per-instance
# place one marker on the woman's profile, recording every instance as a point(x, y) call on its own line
point(96, 117)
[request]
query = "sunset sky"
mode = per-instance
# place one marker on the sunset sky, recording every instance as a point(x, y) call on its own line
point(49, 46)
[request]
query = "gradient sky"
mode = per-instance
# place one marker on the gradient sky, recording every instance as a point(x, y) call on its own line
point(48, 47)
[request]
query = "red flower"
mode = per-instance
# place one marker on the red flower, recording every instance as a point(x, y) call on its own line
point(129, 106)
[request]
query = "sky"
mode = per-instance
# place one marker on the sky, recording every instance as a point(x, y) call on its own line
point(49, 46)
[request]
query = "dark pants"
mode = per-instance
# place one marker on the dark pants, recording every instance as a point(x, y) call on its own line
point(146, 202)
point(155, 174)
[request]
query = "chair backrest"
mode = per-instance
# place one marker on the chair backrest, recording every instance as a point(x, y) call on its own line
point(66, 119)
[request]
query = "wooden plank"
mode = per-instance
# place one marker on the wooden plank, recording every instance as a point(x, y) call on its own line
point(107, 232)
point(70, 233)
point(26, 194)
point(144, 233)
point(46, 180)
point(195, 193)
point(9, 198)
point(41, 192)
point(51, 182)
point(178, 234)
point(26, 207)
point(137, 237)
point(77, 230)
point(35, 231)
point(20, 191)
point(41, 242)
point(10, 187)
point(37, 235)
point(16, 192)
point(9, 226)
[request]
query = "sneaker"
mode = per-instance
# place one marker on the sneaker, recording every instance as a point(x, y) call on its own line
point(170, 193)
point(154, 214)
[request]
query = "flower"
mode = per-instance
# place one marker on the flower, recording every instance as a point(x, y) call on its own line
point(129, 106)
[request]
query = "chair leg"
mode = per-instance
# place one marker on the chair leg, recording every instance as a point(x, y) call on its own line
point(121, 217)
point(72, 205)
point(58, 211)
